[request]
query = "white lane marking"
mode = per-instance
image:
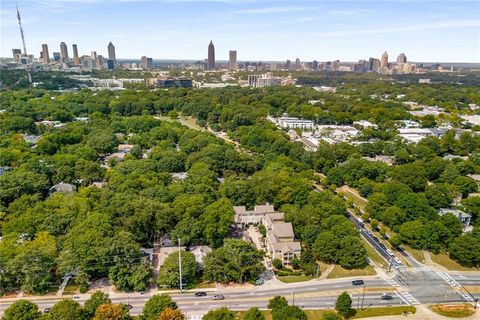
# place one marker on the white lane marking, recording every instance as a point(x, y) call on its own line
point(402, 298)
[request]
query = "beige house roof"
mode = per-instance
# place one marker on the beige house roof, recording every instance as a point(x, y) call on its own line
point(264, 208)
point(293, 246)
point(282, 230)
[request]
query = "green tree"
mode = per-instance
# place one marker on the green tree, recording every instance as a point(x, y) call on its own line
point(343, 305)
point(169, 274)
point(277, 264)
point(277, 302)
point(66, 310)
point(22, 310)
point(219, 314)
point(110, 311)
point(96, 299)
point(466, 249)
point(289, 313)
point(331, 316)
point(33, 261)
point(156, 304)
point(253, 314)
point(171, 314)
point(236, 261)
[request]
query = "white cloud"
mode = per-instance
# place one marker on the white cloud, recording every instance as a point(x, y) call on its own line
point(418, 27)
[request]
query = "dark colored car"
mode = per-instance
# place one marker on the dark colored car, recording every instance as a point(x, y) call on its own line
point(387, 297)
point(129, 306)
point(218, 297)
point(200, 294)
point(357, 282)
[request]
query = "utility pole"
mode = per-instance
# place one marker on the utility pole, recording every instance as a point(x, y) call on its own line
point(180, 265)
point(363, 295)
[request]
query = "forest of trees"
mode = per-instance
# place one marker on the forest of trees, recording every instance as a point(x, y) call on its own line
point(98, 232)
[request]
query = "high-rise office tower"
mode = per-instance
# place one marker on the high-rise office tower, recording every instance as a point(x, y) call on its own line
point(56, 56)
point(288, 64)
point(384, 60)
point(211, 56)
point(146, 63)
point(297, 64)
point(314, 65)
point(111, 52)
point(402, 58)
point(45, 55)
point(63, 52)
point(335, 65)
point(76, 58)
point(94, 55)
point(16, 52)
point(232, 60)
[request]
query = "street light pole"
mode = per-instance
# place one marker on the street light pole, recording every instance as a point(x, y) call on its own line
point(293, 297)
point(180, 266)
point(363, 295)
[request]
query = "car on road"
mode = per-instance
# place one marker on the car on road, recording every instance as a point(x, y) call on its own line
point(218, 297)
point(387, 297)
point(76, 297)
point(143, 292)
point(46, 310)
point(384, 247)
point(200, 294)
point(357, 282)
point(129, 306)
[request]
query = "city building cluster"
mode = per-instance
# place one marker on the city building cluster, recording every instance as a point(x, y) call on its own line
point(62, 60)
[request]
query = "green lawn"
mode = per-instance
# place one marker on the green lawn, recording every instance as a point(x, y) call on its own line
point(339, 272)
point(444, 260)
point(415, 253)
point(454, 311)
point(372, 254)
point(370, 312)
point(292, 279)
point(383, 311)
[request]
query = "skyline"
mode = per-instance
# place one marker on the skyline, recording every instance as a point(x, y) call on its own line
point(436, 31)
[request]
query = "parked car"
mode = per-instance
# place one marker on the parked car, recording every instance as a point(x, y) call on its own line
point(218, 297)
point(129, 306)
point(200, 294)
point(76, 297)
point(387, 297)
point(357, 282)
point(46, 310)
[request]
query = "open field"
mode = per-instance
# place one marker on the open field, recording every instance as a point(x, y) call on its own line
point(339, 272)
point(453, 311)
point(292, 279)
point(384, 311)
point(372, 254)
point(444, 260)
point(370, 312)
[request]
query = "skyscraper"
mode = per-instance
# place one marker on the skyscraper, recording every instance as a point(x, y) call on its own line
point(384, 60)
point(111, 52)
point(211, 56)
point(45, 55)
point(314, 65)
point(297, 64)
point(94, 55)
point(16, 52)
point(63, 52)
point(232, 61)
point(56, 56)
point(76, 58)
point(402, 58)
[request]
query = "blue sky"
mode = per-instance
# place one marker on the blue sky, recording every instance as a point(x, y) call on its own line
point(433, 30)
